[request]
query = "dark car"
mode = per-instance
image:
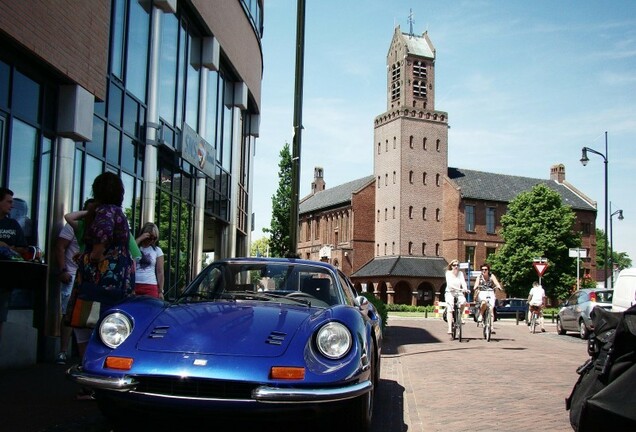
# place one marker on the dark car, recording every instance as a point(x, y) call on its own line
point(574, 315)
point(511, 308)
point(250, 335)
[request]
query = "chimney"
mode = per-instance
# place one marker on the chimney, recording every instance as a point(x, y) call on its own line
point(557, 173)
point(318, 185)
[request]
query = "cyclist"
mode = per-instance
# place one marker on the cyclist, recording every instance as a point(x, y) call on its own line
point(485, 287)
point(536, 301)
point(455, 284)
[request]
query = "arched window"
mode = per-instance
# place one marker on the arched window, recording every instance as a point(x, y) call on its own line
point(437, 179)
point(423, 213)
point(410, 248)
point(410, 212)
point(411, 177)
point(411, 141)
point(437, 214)
point(437, 145)
point(424, 178)
point(423, 143)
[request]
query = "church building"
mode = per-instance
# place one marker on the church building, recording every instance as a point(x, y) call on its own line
point(393, 232)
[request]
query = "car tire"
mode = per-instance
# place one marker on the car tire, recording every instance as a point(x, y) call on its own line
point(584, 333)
point(361, 411)
point(559, 327)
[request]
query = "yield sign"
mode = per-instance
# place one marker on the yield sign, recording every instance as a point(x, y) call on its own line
point(540, 267)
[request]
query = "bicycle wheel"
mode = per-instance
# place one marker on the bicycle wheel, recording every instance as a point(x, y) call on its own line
point(487, 325)
point(458, 320)
point(533, 323)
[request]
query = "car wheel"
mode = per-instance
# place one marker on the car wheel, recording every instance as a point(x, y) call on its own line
point(559, 327)
point(583, 331)
point(362, 406)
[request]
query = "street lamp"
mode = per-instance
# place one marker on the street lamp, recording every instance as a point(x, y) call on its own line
point(584, 161)
point(620, 217)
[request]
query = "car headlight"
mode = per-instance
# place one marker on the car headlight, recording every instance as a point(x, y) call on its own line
point(333, 340)
point(114, 329)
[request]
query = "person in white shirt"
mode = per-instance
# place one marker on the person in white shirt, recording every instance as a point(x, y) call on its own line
point(149, 276)
point(536, 301)
point(485, 287)
point(455, 284)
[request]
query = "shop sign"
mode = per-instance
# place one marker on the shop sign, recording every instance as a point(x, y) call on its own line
point(197, 151)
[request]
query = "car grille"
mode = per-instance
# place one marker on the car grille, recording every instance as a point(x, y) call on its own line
point(194, 387)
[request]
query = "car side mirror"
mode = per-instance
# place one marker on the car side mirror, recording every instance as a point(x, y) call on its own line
point(362, 302)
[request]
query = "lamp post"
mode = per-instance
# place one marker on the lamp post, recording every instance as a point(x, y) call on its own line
point(584, 161)
point(620, 217)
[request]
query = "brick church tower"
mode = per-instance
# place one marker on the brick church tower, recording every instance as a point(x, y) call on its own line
point(410, 154)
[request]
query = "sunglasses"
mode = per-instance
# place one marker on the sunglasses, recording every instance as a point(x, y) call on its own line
point(484, 269)
point(454, 265)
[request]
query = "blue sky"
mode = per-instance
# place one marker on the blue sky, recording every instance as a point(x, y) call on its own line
point(526, 85)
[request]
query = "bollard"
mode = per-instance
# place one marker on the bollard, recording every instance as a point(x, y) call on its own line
point(426, 313)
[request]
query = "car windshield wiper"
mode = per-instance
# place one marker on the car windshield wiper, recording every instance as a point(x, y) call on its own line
point(265, 295)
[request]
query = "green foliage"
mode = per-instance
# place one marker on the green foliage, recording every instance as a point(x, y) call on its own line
point(379, 305)
point(620, 259)
point(537, 224)
point(260, 247)
point(279, 230)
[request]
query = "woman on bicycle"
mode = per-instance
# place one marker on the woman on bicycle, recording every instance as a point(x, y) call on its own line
point(485, 288)
point(455, 284)
point(536, 301)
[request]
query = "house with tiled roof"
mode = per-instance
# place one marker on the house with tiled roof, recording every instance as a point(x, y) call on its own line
point(395, 231)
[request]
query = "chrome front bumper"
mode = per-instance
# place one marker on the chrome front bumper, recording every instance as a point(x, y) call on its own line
point(263, 394)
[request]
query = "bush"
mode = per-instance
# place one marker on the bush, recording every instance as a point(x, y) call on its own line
point(380, 307)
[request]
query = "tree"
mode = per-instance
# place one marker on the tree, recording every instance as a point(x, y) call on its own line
point(537, 224)
point(279, 230)
point(620, 259)
point(260, 247)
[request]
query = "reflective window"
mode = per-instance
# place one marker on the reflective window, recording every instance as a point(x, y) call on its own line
point(115, 97)
point(112, 145)
point(45, 178)
point(168, 63)
point(93, 168)
point(26, 97)
point(4, 84)
point(193, 78)
point(96, 146)
point(117, 43)
point(212, 101)
point(137, 56)
point(77, 185)
point(21, 175)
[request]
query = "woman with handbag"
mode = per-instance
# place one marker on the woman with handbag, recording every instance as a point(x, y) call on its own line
point(106, 273)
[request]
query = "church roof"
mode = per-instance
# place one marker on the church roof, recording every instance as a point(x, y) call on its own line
point(501, 187)
point(403, 266)
point(418, 45)
point(334, 196)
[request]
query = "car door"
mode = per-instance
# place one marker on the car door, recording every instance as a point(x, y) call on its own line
point(568, 314)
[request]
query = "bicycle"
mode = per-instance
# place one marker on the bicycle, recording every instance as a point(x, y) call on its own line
point(456, 326)
point(534, 318)
point(487, 322)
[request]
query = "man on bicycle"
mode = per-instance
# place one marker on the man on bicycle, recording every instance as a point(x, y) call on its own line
point(536, 302)
point(485, 287)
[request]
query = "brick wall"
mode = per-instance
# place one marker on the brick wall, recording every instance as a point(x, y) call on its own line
point(70, 35)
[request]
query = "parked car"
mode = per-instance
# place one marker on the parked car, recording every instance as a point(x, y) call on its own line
point(511, 308)
point(574, 315)
point(248, 335)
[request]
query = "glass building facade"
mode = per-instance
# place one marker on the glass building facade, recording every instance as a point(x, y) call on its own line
point(167, 107)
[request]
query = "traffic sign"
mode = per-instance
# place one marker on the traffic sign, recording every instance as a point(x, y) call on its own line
point(577, 252)
point(540, 267)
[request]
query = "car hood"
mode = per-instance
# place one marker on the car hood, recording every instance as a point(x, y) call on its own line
point(242, 329)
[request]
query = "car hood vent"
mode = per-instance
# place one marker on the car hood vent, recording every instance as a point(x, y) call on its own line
point(225, 329)
point(276, 338)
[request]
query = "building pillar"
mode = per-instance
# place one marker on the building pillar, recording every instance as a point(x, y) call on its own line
point(149, 192)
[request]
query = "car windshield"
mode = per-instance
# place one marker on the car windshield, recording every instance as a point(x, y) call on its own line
point(264, 281)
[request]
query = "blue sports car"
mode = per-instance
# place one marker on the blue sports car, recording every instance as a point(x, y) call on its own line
point(248, 336)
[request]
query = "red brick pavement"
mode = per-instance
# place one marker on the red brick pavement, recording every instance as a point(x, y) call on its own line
point(430, 383)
